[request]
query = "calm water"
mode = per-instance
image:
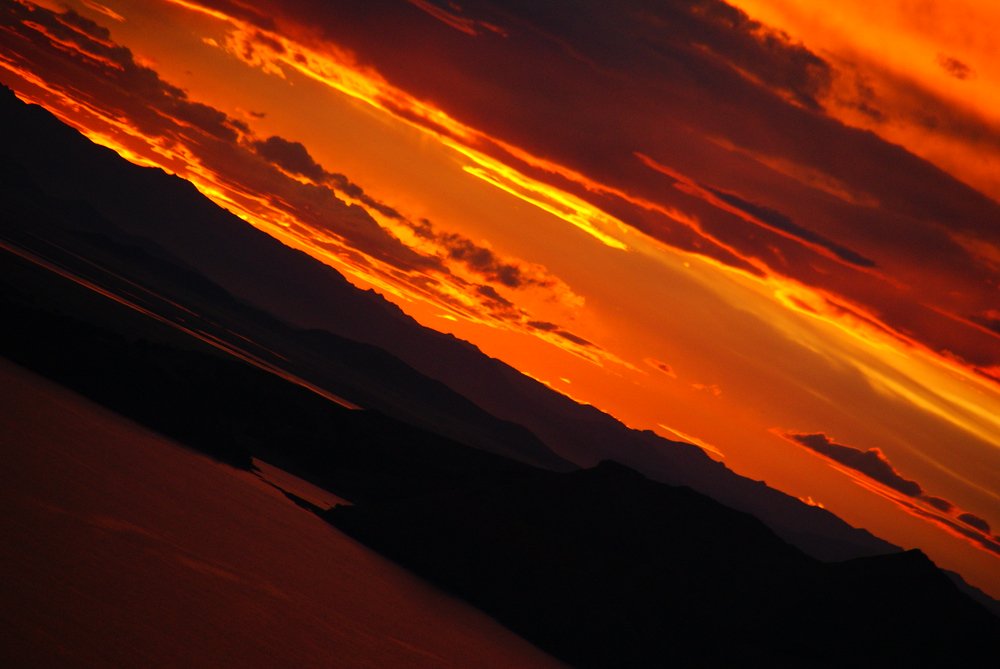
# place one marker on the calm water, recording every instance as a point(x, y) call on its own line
point(118, 548)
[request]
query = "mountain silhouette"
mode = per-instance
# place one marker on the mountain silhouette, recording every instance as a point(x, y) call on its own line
point(162, 215)
point(605, 568)
point(138, 268)
point(601, 567)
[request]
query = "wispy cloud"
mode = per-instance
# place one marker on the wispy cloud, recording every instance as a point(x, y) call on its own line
point(275, 182)
point(872, 464)
point(699, 86)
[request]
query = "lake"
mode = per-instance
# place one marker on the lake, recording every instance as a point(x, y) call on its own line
point(120, 548)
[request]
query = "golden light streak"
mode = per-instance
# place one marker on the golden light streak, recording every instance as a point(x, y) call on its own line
point(674, 433)
point(564, 206)
point(337, 70)
point(598, 188)
point(263, 213)
point(887, 344)
point(104, 9)
point(968, 416)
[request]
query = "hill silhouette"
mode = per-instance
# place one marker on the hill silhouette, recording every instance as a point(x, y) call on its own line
point(605, 568)
point(78, 238)
point(601, 567)
point(483, 401)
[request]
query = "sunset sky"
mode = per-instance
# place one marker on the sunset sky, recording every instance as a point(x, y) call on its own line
point(770, 228)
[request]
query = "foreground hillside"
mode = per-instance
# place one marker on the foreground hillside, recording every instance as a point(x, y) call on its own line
point(97, 208)
point(122, 549)
point(600, 567)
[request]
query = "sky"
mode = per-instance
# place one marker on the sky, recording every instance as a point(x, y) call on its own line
point(769, 228)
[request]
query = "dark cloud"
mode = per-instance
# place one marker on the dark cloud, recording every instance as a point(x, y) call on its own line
point(872, 463)
point(661, 366)
point(88, 65)
point(975, 521)
point(269, 42)
point(979, 538)
point(494, 297)
point(482, 260)
point(779, 221)
point(864, 98)
point(579, 341)
point(555, 329)
point(295, 158)
point(680, 80)
point(211, 120)
point(351, 189)
point(989, 320)
point(917, 104)
point(938, 503)
point(955, 67)
point(746, 45)
point(80, 56)
point(245, 11)
point(290, 156)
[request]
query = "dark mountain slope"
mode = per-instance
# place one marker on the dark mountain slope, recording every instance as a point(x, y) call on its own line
point(601, 567)
point(79, 239)
point(215, 403)
point(169, 212)
point(605, 568)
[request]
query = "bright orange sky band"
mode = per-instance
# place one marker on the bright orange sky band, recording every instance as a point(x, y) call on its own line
point(768, 233)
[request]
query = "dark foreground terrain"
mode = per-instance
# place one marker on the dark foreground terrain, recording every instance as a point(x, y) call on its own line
point(154, 237)
point(601, 567)
point(604, 568)
point(123, 550)
point(128, 287)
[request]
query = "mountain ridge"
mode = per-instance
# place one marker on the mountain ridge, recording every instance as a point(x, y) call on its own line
point(604, 567)
point(303, 292)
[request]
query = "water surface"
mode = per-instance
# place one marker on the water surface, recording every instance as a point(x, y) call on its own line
point(120, 548)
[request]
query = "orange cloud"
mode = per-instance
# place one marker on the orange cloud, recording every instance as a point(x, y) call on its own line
point(925, 79)
point(273, 182)
point(707, 214)
point(873, 466)
point(872, 463)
